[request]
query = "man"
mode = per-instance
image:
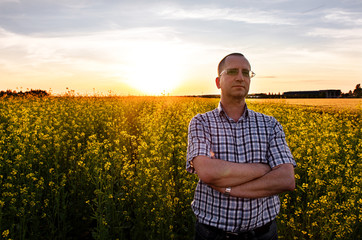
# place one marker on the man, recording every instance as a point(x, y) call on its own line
point(242, 160)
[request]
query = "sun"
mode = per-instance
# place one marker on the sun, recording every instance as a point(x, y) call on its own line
point(155, 68)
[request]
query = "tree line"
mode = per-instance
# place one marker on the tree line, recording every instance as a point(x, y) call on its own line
point(356, 93)
point(35, 93)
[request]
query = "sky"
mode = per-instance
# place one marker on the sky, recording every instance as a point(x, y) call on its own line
point(160, 47)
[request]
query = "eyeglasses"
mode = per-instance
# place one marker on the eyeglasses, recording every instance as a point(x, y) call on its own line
point(235, 72)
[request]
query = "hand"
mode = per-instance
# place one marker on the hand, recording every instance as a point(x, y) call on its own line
point(212, 154)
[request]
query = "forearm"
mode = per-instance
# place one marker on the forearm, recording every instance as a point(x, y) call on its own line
point(279, 180)
point(222, 173)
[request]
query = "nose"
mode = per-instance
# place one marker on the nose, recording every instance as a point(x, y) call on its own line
point(240, 76)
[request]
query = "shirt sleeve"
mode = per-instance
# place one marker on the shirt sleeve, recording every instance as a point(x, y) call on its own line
point(279, 152)
point(199, 141)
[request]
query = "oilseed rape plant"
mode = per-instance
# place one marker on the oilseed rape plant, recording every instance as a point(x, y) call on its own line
point(114, 168)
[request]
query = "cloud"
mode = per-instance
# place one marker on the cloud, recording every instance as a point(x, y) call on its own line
point(9, 1)
point(340, 30)
point(79, 4)
point(104, 52)
point(351, 33)
point(267, 76)
point(340, 16)
point(249, 15)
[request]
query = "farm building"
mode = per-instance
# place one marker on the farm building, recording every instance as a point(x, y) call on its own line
point(313, 94)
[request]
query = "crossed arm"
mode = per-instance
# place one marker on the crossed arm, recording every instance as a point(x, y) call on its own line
point(247, 180)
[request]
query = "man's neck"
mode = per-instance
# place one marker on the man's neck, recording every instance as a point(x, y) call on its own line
point(234, 109)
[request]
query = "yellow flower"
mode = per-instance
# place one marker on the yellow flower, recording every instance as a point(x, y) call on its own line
point(107, 166)
point(6, 233)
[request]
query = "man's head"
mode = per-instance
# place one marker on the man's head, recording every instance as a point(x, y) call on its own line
point(234, 76)
point(221, 65)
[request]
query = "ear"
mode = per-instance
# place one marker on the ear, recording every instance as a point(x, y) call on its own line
point(217, 81)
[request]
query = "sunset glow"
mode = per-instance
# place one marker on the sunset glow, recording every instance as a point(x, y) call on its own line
point(154, 68)
point(173, 47)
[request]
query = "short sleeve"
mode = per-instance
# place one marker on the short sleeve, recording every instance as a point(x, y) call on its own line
point(199, 141)
point(279, 152)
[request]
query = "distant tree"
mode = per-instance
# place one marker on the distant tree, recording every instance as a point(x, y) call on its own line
point(35, 93)
point(357, 92)
point(38, 93)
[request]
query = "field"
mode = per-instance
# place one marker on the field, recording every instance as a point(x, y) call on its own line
point(114, 168)
point(352, 104)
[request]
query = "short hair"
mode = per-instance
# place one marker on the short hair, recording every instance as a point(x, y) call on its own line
point(222, 62)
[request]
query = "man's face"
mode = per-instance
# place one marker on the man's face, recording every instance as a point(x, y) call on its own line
point(234, 85)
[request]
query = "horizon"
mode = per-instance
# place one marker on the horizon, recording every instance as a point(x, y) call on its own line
point(173, 47)
point(109, 93)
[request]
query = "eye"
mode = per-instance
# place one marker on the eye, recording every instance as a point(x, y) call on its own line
point(246, 73)
point(232, 71)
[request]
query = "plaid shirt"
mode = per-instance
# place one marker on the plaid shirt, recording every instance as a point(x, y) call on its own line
point(254, 138)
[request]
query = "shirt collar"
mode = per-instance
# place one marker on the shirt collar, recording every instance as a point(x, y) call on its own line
point(221, 111)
